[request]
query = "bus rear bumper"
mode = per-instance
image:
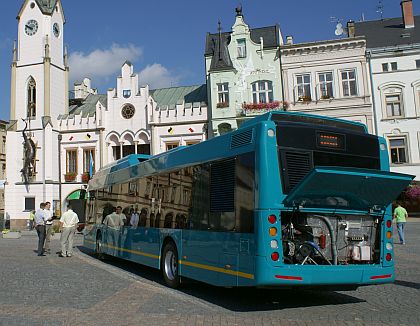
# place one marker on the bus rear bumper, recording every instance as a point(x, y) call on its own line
point(317, 275)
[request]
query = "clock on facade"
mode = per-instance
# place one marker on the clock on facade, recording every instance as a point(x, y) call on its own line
point(56, 30)
point(31, 27)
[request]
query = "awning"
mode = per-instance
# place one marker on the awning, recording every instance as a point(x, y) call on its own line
point(347, 188)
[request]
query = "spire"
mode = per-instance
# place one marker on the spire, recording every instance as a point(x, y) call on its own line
point(219, 29)
point(47, 47)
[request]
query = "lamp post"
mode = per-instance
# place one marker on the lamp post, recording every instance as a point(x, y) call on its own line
point(60, 137)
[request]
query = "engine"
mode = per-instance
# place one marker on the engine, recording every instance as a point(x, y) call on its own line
point(326, 239)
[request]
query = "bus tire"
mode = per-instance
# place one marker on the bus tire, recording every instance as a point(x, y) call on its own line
point(169, 265)
point(98, 247)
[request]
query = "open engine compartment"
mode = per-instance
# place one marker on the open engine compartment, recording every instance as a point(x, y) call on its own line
point(330, 239)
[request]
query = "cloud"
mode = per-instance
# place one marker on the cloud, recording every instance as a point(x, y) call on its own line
point(157, 76)
point(101, 64)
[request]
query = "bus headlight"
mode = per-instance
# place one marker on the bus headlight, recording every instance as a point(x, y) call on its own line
point(270, 133)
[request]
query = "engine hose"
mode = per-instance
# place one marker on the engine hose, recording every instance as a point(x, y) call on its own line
point(333, 239)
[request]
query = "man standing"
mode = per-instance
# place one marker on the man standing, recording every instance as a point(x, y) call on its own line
point(48, 227)
point(400, 215)
point(40, 218)
point(68, 223)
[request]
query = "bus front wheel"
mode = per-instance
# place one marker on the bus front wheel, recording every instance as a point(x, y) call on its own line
point(170, 265)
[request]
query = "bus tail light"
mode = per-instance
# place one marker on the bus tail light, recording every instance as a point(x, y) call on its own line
point(273, 232)
point(388, 224)
point(275, 256)
point(388, 257)
point(272, 219)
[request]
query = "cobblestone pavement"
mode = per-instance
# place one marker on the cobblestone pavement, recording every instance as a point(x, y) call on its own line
point(84, 291)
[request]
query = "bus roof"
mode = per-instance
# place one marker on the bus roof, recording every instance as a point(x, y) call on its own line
point(283, 116)
point(229, 144)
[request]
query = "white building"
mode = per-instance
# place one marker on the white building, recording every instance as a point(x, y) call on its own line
point(393, 48)
point(68, 139)
point(328, 78)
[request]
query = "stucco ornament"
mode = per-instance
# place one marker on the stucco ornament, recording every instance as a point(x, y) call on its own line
point(29, 149)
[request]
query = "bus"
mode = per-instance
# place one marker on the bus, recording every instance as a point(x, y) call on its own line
point(286, 200)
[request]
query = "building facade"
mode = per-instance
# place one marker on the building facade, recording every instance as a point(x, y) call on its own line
point(242, 74)
point(328, 78)
point(67, 139)
point(393, 51)
point(3, 127)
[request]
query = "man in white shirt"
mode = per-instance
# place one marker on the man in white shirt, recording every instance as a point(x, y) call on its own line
point(68, 223)
point(48, 227)
point(116, 219)
point(134, 220)
point(40, 218)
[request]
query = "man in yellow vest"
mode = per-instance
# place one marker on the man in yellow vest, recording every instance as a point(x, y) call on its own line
point(400, 215)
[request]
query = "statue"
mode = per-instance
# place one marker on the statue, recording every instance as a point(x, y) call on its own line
point(29, 148)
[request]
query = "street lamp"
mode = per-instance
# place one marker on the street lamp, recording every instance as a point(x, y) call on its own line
point(60, 137)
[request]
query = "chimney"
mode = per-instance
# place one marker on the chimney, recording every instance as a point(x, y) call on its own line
point(407, 13)
point(351, 28)
point(289, 40)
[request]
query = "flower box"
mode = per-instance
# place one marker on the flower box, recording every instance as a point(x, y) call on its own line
point(70, 176)
point(263, 107)
point(222, 105)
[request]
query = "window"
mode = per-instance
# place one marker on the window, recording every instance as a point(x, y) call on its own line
point(326, 85)
point(393, 105)
point(385, 67)
point(128, 111)
point(242, 48)
point(29, 203)
point(31, 99)
point(171, 146)
point(191, 142)
point(88, 157)
point(223, 95)
point(348, 78)
point(394, 66)
point(418, 64)
point(303, 86)
point(398, 149)
point(126, 93)
point(262, 91)
point(71, 161)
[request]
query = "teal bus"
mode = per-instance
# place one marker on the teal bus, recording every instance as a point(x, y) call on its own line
point(286, 200)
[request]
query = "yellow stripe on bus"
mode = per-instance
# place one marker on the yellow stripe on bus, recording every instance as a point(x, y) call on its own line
point(217, 269)
point(184, 262)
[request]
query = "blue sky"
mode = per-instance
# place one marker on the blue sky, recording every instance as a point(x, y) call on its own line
point(165, 39)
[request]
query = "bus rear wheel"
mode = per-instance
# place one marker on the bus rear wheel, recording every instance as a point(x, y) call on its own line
point(98, 247)
point(169, 265)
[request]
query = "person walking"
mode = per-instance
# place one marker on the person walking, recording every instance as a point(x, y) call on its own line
point(134, 220)
point(31, 220)
point(48, 227)
point(68, 222)
point(40, 218)
point(400, 216)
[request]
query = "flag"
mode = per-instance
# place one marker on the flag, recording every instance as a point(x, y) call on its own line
point(91, 165)
point(87, 136)
point(71, 138)
point(171, 130)
point(191, 129)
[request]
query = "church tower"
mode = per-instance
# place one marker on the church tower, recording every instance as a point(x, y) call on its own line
point(39, 94)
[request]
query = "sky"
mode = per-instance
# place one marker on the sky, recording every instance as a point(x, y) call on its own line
point(164, 40)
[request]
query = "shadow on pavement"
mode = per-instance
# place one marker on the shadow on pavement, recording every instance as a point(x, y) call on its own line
point(239, 299)
point(412, 285)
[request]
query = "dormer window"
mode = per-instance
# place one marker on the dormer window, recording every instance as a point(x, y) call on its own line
point(241, 48)
point(126, 93)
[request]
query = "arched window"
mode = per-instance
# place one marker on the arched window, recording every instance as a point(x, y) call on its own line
point(224, 128)
point(31, 99)
point(392, 100)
